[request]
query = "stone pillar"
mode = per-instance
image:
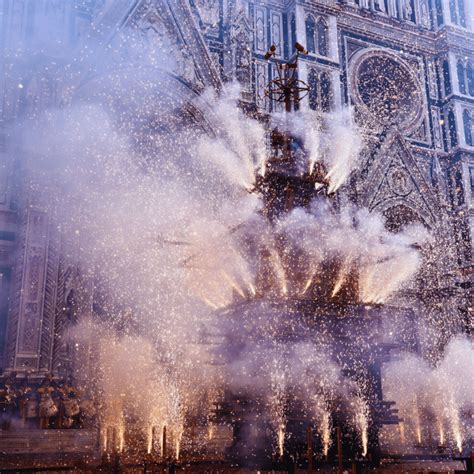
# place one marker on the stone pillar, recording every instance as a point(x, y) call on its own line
point(33, 297)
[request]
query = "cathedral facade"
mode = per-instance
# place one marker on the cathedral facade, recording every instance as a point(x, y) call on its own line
point(406, 66)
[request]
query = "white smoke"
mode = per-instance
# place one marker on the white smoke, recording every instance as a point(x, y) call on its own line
point(434, 399)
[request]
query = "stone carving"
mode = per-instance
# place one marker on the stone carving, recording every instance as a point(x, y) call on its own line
point(35, 262)
point(396, 179)
point(386, 88)
point(29, 332)
point(276, 32)
point(432, 80)
point(399, 181)
point(437, 132)
point(261, 80)
point(240, 45)
point(260, 30)
point(156, 40)
point(420, 134)
point(209, 13)
point(380, 6)
point(424, 18)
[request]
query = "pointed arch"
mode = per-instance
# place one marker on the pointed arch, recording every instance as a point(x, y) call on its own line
point(462, 13)
point(461, 77)
point(453, 136)
point(320, 92)
point(453, 11)
point(322, 35)
point(310, 25)
point(470, 79)
point(326, 92)
point(439, 12)
point(399, 215)
point(313, 82)
point(446, 78)
point(293, 29)
point(467, 123)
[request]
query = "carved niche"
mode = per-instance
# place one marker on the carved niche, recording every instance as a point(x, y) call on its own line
point(241, 47)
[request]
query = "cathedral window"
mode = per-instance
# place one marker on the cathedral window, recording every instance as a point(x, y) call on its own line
point(470, 79)
point(462, 13)
point(313, 82)
point(453, 137)
point(293, 29)
point(320, 92)
point(322, 30)
point(458, 12)
point(453, 11)
point(310, 34)
point(466, 118)
point(446, 78)
point(317, 36)
point(439, 12)
point(325, 92)
point(461, 77)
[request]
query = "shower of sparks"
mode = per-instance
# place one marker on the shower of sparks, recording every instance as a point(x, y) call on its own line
point(221, 270)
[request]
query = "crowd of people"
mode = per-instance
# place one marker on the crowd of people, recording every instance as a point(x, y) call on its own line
point(50, 403)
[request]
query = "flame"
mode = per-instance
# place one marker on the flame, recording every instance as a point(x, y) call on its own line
point(210, 303)
point(338, 285)
point(162, 440)
point(121, 437)
point(343, 273)
point(233, 284)
point(418, 433)
point(281, 439)
point(210, 431)
point(179, 437)
point(362, 423)
point(455, 422)
point(277, 264)
point(312, 162)
point(263, 167)
point(416, 417)
point(326, 432)
point(401, 427)
point(441, 432)
point(104, 438)
point(149, 448)
point(308, 283)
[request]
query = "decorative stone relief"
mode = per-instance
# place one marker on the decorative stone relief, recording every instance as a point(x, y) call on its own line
point(241, 47)
point(386, 88)
point(424, 18)
point(420, 134)
point(432, 81)
point(276, 28)
point(209, 12)
point(261, 80)
point(35, 262)
point(260, 30)
point(380, 6)
point(437, 130)
point(407, 10)
point(396, 179)
point(399, 181)
point(155, 40)
point(30, 311)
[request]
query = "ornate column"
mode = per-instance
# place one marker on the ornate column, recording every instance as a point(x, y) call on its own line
point(32, 312)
